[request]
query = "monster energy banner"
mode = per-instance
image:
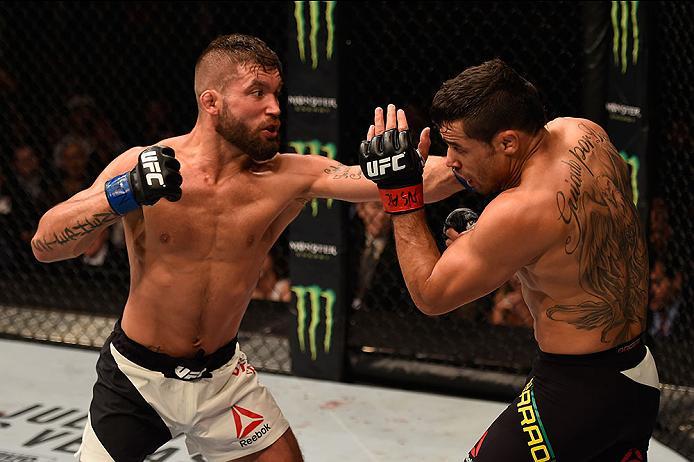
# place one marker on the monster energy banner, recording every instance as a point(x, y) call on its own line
point(316, 238)
point(627, 94)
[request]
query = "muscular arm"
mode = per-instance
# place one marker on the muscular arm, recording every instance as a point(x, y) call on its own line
point(68, 229)
point(331, 179)
point(504, 239)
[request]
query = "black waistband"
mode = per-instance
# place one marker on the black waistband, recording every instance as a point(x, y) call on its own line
point(178, 368)
point(624, 356)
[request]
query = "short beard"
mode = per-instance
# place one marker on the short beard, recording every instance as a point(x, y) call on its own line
point(236, 132)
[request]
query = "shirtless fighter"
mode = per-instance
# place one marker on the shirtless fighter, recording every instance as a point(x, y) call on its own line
point(564, 222)
point(172, 365)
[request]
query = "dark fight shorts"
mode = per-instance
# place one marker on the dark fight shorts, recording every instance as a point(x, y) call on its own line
point(142, 399)
point(595, 407)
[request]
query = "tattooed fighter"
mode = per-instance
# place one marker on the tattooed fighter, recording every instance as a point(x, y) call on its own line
point(564, 222)
point(172, 365)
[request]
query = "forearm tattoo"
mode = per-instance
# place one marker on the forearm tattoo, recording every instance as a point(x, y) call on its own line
point(73, 233)
point(605, 231)
point(339, 172)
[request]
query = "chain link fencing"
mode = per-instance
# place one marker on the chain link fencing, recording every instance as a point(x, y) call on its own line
point(80, 82)
point(404, 61)
point(671, 221)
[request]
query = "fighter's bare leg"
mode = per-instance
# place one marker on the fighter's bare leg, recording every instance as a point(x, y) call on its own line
point(285, 449)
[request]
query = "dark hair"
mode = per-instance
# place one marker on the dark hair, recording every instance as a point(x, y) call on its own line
point(489, 98)
point(240, 48)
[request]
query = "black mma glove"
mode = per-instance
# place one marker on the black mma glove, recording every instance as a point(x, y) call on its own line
point(156, 175)
point(460, 220)
point(391, 161)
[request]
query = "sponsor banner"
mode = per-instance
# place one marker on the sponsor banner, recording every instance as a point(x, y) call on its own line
point(627, 98)
point(315, 308)
point(316, 238)
point(312, 104)
point(312, 250)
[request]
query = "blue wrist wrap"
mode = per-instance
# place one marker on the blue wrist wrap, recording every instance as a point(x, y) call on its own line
point(120, 195)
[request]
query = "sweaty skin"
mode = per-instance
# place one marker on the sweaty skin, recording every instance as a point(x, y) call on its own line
point(565, 224)
point(194, 263)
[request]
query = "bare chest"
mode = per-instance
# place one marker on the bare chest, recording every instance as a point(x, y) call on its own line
point(214, 221)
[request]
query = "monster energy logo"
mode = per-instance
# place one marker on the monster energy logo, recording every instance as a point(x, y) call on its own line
point(623, 15)
point(314, 21)
point(310, 301)
point(315, 147)
point(633, 161)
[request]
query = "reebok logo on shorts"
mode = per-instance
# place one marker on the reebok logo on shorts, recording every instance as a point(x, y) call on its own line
point(246, 422)
point(632, 455)
point(476, 449)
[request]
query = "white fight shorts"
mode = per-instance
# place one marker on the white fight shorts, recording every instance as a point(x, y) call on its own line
point(142, 399)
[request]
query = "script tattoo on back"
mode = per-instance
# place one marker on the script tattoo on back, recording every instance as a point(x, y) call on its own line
point(606, 234)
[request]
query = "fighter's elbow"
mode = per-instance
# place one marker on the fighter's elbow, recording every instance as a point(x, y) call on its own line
point(41, 256)
point(431, 306)
point(429, 310)
point(41, 251)
point(45, 252)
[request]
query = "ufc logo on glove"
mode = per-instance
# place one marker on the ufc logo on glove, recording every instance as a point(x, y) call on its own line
point(147, 182)
point(379, 167)
point(149, 162)
point(390, 161)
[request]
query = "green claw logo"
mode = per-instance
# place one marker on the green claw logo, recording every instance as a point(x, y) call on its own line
point(624, 14)
point(317, 299)
point(314, 18)
point(315, 147)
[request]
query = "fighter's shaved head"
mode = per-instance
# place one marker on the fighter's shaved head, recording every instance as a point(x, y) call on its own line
point(219, 62)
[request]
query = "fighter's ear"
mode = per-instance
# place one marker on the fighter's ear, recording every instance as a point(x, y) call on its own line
point(209, 102)
point(506, 141)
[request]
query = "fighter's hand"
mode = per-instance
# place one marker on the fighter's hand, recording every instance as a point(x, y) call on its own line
point(156, 175)
point(388, 158)
point(457, 222)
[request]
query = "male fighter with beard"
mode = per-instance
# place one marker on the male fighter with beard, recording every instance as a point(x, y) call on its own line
point(172, 364)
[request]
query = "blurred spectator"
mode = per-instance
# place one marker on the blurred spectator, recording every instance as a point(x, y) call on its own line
point(28, 190)
point(16, 128)
point(379, 282)
point(5, 199)
point(665, 299)
point(158, 122)
point(87, 124)
point(6, 238)
point(270, 286)
point(73, 177)
point(660, 229)
point(96, 254)
point(377, 227)
point(509, 308)
point(28, 174)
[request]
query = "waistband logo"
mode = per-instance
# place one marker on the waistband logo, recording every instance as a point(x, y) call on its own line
point(184, 373)
point(540, 449)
